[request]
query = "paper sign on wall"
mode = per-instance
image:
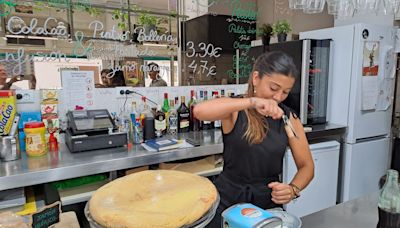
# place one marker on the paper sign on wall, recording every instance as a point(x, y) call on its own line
point(78, 87)
point(369, 92)
point(370, 71)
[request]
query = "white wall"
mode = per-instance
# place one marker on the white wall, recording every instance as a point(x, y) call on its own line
point(270, 11)
point(110, 98)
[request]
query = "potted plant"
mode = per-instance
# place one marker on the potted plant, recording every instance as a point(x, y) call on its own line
point(265, 31)
point(122, 18)
point(281, 28)
point(149, 22)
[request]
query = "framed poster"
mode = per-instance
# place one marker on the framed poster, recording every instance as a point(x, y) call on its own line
point(370, 58)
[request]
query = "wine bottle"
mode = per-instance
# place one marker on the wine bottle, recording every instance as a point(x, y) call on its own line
point(183, 117)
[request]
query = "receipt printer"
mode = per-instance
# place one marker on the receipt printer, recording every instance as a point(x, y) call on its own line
point(92, 130)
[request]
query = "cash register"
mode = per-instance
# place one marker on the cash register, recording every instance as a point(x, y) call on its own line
point(92, 130)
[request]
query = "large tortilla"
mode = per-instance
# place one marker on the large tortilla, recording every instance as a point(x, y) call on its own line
point(161, 198)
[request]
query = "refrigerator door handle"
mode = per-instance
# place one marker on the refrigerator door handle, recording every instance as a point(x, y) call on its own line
point(305, 69)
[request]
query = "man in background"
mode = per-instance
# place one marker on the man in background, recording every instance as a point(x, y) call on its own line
point(105, 81)
point(154, 74)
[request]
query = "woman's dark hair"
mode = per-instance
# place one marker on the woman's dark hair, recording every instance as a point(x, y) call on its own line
point(266, 64)
point(118, 79)
point(275, 62)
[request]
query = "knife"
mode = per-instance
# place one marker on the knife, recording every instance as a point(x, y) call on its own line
point(287, 122)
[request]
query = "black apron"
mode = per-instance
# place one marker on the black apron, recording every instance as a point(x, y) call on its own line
point(249, 168)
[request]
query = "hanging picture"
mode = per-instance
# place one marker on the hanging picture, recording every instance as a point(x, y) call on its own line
point(132, 73)
point(370, 58)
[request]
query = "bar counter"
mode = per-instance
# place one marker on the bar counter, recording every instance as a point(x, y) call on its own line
point(360, 212)
point(65, 165)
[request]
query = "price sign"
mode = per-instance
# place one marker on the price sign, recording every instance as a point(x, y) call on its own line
point(207, 49)
point(47, 216)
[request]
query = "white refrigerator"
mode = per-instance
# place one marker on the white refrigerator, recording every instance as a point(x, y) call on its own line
point(363, 71)
point(321, 193)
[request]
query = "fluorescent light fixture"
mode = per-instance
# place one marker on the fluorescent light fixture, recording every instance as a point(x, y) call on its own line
point(42, 38)
point(32, 37)
point(15, 36)
point(156, 45)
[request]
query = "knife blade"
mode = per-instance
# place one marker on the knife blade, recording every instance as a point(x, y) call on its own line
point(287, 122)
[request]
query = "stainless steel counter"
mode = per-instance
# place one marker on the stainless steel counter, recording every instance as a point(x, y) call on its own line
point(361, 212)
point(64, 165)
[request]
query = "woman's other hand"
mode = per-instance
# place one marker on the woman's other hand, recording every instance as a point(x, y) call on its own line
point(281, 193)
point(267, 107)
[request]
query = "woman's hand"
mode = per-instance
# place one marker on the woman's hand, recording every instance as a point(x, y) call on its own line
point(267, 107)
point(281, 193)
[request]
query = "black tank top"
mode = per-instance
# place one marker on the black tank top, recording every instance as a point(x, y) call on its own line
point(259, 161)
point(249, 168)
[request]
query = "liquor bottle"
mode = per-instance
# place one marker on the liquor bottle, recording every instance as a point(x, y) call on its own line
point(222, 93)
point(134, 114)
point(160, 123)
point(147, 119)
point(165, 107)
point(194, 122)
point(183, 117)
point(172, 119)
point(137, 132)
point(217, 123)
point(389, 200)
point(207, 125)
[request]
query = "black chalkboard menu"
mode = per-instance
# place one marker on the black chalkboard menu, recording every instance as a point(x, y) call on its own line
point(47, 216)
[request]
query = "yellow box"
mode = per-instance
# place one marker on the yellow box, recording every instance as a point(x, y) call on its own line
point(8, 109)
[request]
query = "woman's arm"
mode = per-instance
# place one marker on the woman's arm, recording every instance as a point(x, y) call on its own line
point(283, 193)
point(301, 154)
point(221, 108)
point(224, 109)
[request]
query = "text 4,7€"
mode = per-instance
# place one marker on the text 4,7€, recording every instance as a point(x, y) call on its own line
point(206, 50)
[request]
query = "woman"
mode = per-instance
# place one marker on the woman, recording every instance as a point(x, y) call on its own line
point(255, 139)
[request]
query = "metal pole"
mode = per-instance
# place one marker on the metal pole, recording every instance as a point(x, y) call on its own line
point(237, 65)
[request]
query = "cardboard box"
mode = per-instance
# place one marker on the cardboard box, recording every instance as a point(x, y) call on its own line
point(8, 109)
